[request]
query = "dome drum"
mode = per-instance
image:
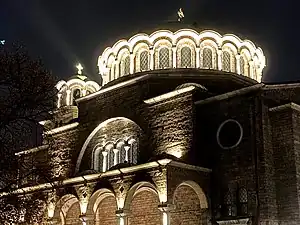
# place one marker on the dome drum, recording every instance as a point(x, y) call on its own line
point(182, 49)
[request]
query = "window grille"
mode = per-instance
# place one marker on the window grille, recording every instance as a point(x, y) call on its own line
point(164, 58)
point(242, 65)
point(226, 61)
point(126, 65)
point(242, 201)
point(186, 57)
point(144, 61)
point(207, 58)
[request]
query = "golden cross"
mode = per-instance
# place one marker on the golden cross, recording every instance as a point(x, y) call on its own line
point(79, 68)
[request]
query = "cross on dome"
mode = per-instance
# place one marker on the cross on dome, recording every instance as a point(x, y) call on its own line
point(180, 14)
point(79, 68)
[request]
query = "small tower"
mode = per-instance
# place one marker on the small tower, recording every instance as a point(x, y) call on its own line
point(77, 86)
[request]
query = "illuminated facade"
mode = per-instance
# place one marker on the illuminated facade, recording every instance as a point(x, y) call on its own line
point(181, 131)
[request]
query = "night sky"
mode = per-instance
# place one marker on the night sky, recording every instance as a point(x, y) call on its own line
point(65, 32)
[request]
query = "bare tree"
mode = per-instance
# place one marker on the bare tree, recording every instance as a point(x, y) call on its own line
point(27, 95)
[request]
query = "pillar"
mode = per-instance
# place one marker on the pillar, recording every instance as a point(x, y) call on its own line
point(68, 100)
point(198, 57)
point(131, 63)
point(174, 57)
point(238, 64)
point(219, 52)
point(58, 100)
point(151, 59)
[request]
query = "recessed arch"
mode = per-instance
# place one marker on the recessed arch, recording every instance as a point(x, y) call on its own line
point(198, 190)
point(132, 127)
point(62, 207)
point(135, 189)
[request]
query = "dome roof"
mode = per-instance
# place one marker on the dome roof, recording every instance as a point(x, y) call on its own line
point(181, 48)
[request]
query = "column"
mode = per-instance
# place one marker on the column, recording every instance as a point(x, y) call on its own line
point(131, 63)
point(104, 164)
point(238, 64)
point(219, 52)
point(165, 209)
point(126, 148)
point(122, 216)
point(198, 57)
point(151, 59)
point(116, 161)
point(251, 69)
point(68, 100)
point(58, 100)
point(174, 57)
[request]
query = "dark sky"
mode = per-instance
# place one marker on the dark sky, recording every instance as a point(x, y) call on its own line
point(63, 32)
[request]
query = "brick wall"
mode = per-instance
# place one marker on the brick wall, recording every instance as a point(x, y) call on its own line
point(61, 154)
point(106, 212)
point(187, 208)
point(284, 157)
point(72, 217)
point(144, 209)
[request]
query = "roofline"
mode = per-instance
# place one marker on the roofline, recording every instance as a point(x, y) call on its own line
point(95, 177)
point(232, 94)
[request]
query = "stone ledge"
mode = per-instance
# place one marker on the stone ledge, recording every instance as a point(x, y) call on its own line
point(232, 222)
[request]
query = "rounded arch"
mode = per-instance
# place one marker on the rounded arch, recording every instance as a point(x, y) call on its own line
point(137, 188)
point(63, 206)
point(197, 189)
point(104, 124)
point(96, 198)
point(186, 53)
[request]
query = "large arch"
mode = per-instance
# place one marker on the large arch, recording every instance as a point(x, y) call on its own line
point(67, 210)
point(102, 207)
point(191, 205)
point(142, 201)
point(101, 137)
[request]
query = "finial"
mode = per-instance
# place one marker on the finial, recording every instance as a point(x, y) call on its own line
point(2, 42)
point(79, 68)
point(180, 14)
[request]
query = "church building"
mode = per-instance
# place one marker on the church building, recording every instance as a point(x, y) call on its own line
point(181, 130)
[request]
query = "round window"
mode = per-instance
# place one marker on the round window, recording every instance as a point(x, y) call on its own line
point(229, 134)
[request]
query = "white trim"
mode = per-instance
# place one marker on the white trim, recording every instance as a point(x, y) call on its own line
point(227, 95)
point(291, 105)
point(63, 128)
point(97, 176)
point(114, 87)
point(32, 150)
point(169, 95)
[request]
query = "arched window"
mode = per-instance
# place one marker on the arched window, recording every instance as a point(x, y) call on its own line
point(242, 65)
point(242, 201)
point(125, 66)
point(164, 58)
point(207, 58)
point(76, 94)
point(226, 61)
point(144, 61)
point(186, 57)
point(229, 208)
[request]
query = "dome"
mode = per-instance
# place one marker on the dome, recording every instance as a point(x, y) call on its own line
point(75, 87)
point(184, 48)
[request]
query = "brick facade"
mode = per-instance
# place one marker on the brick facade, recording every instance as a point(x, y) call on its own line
point(182, 173)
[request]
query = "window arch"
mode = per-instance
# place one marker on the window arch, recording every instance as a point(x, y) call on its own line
point(226, 64)
point(114, 141)
point(207, 58)
point(144, 61)
point(76, 93)
point(242, 201)
point(186, 57)
point(164, 58)
point(125, 66)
